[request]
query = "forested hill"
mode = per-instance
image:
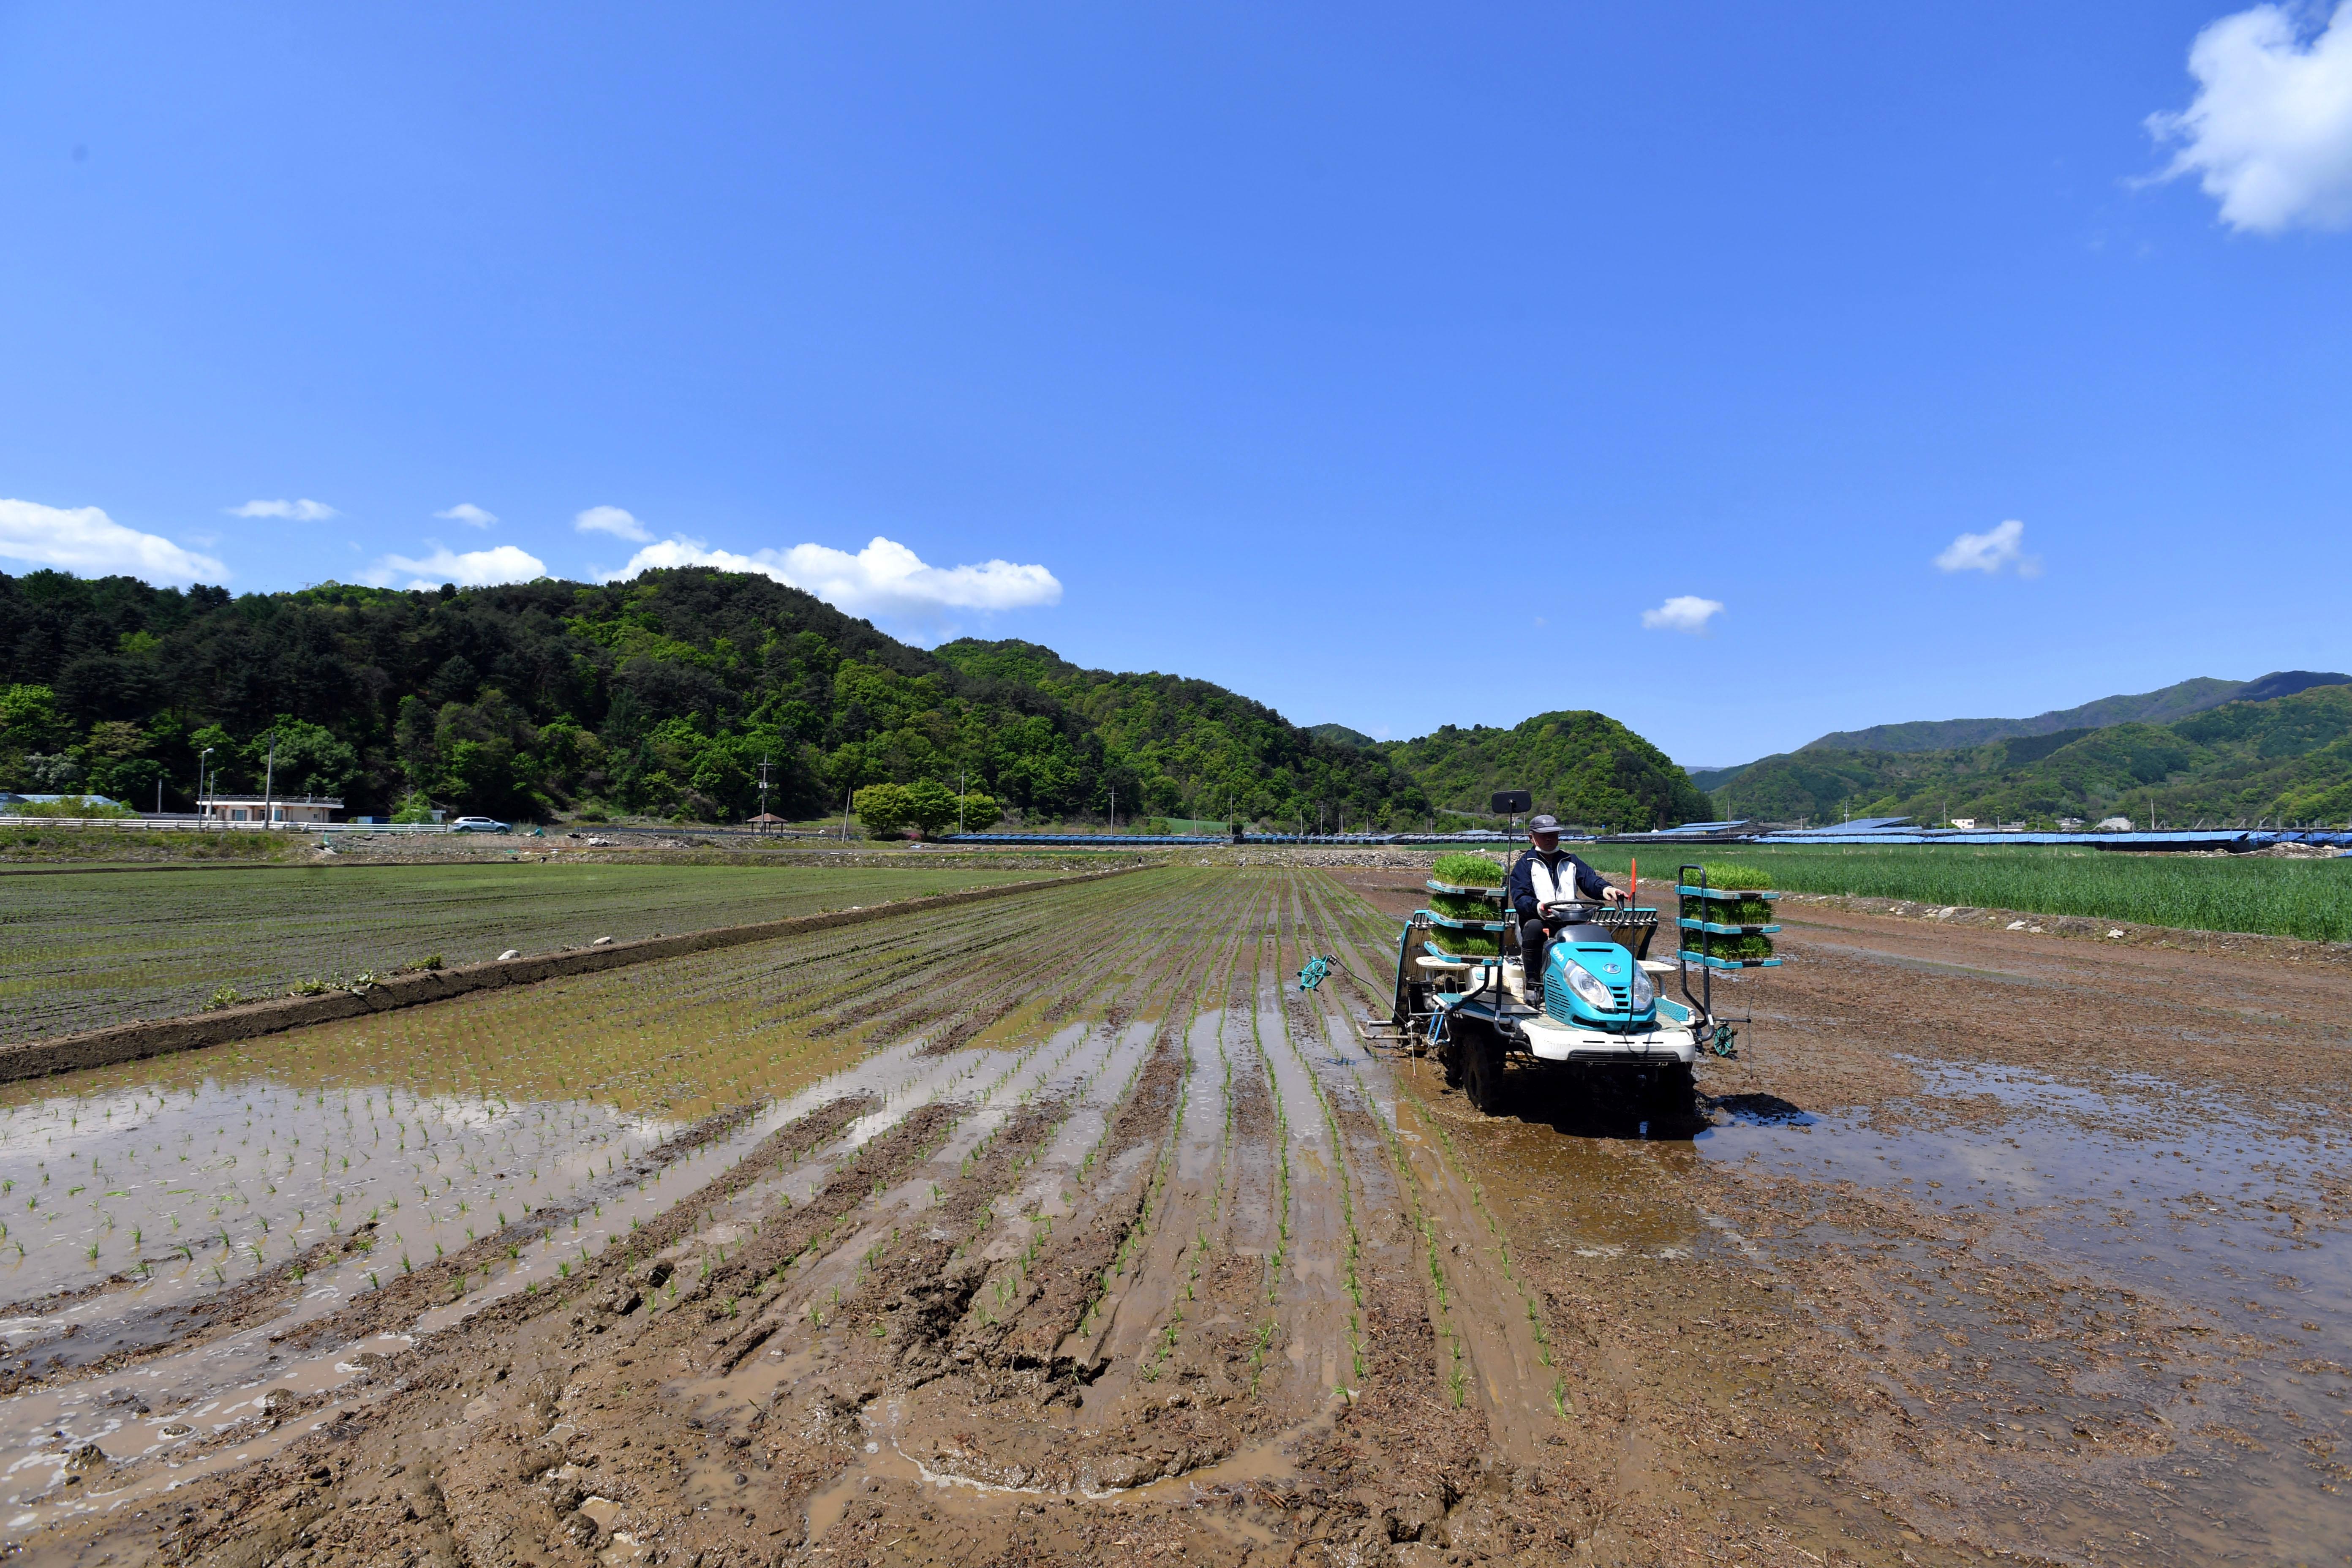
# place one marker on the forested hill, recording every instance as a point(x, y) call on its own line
point(1583, 767)
point(659, 696)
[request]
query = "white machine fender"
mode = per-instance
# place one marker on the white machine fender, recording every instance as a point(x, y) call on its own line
point(1554, 1042)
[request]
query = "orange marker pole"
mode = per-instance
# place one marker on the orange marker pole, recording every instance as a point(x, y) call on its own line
point(1636, 899)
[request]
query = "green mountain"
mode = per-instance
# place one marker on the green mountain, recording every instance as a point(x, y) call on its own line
point(2160, 707)
point(1341, 733)
point(1178, 747)
point(1582, 767)
point(2279, 757)
point(664, 696)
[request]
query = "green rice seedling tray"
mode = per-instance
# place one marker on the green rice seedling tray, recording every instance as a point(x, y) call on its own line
point(1731, 895)
point(1465, 944)
point(1467, 870)
point(1708, 960)
point(1726, 930)
point(1465, 891)
point(1454, 922)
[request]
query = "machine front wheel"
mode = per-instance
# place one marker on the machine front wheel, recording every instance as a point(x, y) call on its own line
point(1484, 1079)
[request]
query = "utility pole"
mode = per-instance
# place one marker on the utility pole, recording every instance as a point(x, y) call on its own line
point(844, 816)
point(962, 778)
point(269, 784)
point(202, 814)
point(764, 765)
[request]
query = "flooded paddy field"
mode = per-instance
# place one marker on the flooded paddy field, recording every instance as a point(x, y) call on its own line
point(1068, 1228)
point(79, 950)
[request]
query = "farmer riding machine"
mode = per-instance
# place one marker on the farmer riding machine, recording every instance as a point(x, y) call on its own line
point(1594, 1013)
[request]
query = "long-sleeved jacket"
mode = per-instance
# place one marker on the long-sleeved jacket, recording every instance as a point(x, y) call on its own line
point(1564, 867)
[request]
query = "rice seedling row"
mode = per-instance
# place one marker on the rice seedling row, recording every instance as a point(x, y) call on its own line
point(79, 950)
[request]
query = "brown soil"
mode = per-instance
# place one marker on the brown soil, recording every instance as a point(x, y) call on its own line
point(1988, 1242)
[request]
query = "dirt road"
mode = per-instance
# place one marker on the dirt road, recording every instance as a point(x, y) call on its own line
point(1107, 1243)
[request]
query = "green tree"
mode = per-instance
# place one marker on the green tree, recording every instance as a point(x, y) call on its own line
point(883, 810)
point(30, 720)
point(981, 812)
point(310, 759)
point(930, 805)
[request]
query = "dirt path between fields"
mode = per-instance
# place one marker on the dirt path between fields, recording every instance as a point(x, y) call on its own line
point(1989, 1243)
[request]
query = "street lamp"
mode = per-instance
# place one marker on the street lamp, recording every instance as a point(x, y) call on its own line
point(202, 814)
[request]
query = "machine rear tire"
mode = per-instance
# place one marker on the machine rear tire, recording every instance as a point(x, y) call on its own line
point(1484, 1078)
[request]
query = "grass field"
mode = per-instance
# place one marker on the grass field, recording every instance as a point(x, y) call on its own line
point(79, 950)
point(2307, 899)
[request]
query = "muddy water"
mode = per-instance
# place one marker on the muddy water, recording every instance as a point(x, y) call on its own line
point(2216, 1219)
point(186, 1189)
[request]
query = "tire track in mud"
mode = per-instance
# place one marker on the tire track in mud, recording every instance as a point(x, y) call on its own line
point(1472, 1370)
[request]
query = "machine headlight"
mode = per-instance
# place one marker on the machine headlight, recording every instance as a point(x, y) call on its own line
point(1588, 988)
point(1645, 993)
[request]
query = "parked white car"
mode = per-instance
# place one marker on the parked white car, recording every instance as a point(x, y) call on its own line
point(480, 824)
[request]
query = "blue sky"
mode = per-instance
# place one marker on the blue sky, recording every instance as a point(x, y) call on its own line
point(1389, 366)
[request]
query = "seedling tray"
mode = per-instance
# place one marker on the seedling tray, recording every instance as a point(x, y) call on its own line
point(1458, 924)
point(1730, 895)
point(1708, 960)
point(1466, 892)
point(1725, 931)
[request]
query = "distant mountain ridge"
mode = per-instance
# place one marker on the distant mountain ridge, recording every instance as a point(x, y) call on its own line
point(2159, 707)
point(2267, 758)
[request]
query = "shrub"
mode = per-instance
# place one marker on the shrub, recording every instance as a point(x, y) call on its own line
point(1469, 871)
point(70, 806)
point(430, 961)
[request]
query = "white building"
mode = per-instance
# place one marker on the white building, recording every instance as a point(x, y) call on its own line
point(291, 810)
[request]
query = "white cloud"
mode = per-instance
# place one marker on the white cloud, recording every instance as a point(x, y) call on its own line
point(2269, 133)
point(1682, 613)
point(85, 541)
point(885, 580)
point(473, 569)
point(1990, 553)
point(470, 514)
point(292, 510)
point(612, 520)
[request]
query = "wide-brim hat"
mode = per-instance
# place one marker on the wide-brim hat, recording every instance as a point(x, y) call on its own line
point(1544, 824)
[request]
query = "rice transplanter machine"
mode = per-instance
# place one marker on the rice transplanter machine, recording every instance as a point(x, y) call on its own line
point(1464, 995)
